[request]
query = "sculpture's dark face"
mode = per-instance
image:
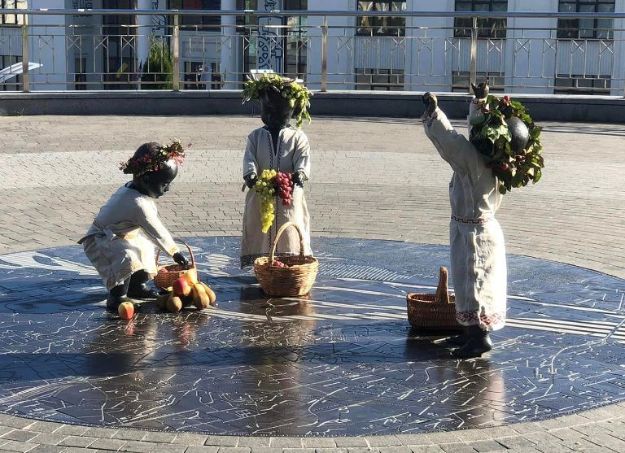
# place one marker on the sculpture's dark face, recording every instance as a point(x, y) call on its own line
point(275, 111)
point(156, 184)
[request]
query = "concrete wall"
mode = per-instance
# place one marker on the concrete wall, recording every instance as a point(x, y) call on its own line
point(338, 103)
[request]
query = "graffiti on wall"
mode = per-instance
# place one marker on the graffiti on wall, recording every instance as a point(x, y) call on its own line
point(270, 43)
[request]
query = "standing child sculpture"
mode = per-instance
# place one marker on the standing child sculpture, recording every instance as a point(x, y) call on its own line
point(122, 239)
point(280, 147)
point(482, 173)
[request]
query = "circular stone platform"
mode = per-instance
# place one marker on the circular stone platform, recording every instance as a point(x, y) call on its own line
point(342, 362)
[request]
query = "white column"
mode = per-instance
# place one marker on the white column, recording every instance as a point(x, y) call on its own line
point(428, 59)
point(144, 30)
point(341, 45)
point(229, 69)
point(531, 53)
point(47, 47)
point(617, 85)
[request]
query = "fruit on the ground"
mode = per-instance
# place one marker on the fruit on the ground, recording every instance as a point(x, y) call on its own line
point(200, 298)
point(161, 300)
point(126, 310)
point(211, 294)
point(191, 276)
point(181, 287)
point(174, 304)
point(188, 300)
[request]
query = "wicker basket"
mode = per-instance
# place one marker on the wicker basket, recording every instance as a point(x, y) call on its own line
point(167, 275)
point(433, 312)
point(294, 280)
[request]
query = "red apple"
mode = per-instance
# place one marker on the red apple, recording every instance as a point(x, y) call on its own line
point(181, 287)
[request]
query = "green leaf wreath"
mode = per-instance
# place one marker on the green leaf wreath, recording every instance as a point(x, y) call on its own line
point(297, 94)
point(492, 138)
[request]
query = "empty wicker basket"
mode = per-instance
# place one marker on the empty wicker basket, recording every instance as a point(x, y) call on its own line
point(433, 312)
point(295, 280)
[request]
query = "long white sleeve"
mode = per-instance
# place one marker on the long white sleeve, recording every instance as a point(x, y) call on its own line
point(147, 218)
point(250, 163)
point(301, 156)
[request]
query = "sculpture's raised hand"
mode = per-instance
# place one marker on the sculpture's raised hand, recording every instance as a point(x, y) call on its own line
point(481, 90)
point(430, 102)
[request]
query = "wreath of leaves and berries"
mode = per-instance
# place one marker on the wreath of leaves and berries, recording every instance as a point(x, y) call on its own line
point(297, 94)
point(513, 169)
point(155, 161)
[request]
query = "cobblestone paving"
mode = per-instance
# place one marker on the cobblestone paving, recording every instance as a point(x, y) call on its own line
point(374, 178)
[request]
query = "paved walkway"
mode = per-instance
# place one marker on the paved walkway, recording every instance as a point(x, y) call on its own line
point(373, 178)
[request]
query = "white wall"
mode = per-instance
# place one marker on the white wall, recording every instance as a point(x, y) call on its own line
point(47, 47)
point(340, 45)
point(530, 54)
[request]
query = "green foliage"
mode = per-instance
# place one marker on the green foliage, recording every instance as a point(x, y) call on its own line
point(298, 95)
point(158, 70)
point(513, 170)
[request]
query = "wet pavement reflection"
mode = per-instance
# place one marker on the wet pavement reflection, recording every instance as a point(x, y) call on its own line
point(341, 361)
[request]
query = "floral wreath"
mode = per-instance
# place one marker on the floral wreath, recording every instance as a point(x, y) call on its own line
point(297, 94)
point(155, 161)
point(491, 135)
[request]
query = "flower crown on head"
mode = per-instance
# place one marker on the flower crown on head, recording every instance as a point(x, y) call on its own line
point(149, 162)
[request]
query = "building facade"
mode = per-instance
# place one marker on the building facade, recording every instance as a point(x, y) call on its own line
point(415, 52)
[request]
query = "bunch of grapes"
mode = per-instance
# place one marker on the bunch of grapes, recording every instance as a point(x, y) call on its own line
point(265, 187)
point(284, 186)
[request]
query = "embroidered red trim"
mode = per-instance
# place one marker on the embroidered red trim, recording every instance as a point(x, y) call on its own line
point(469, 317)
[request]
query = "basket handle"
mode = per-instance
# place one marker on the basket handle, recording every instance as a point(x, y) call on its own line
point(158, 252)
point(280, 231)
point(442, 291)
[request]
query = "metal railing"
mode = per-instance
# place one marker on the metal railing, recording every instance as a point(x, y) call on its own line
point(330, 50)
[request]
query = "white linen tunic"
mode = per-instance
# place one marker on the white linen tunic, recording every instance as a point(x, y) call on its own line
point(478, 255)
point(292, 155)
point(123, 237)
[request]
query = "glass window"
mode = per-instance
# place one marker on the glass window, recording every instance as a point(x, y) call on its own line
point(579, 84)
point(586, 28)
point(208, 22)
point(460, 80)
point(12, 19)
point(486, 28)
point(381, 25)
point(379, 79)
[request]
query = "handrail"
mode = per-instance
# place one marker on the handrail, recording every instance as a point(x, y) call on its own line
point(290, 13)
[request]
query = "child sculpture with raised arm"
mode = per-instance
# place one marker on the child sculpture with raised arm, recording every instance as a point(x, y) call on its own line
point(478, 255)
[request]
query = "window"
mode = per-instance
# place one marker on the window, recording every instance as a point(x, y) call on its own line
point(208, 22)
point(381, 25)
point(591, 28)
point(247, 5)
point(486, 28)
point(12, 84)
point(80, 74)
point(579, 84)
point(12, 19)
point(460, 80)
point(379, 79)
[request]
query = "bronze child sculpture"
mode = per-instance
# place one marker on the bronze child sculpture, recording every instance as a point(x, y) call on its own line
point(122, 239)
point(276, 147)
